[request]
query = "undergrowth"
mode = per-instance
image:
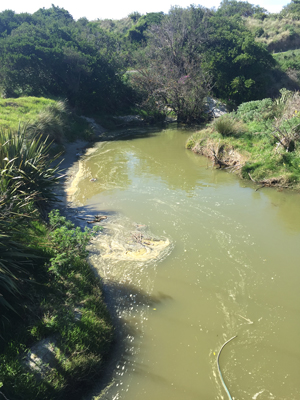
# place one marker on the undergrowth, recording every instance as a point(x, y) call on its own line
point(61, 302)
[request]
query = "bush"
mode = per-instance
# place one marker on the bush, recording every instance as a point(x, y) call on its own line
point(256, 110)
point(52, 122)
point(68, 243)
point(259, 32)
point(225, 126)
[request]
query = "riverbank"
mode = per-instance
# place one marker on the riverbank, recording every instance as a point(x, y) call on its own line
point(56, 330)
point(259, 142)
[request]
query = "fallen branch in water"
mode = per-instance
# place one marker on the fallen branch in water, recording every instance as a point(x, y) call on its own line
point(97, 218)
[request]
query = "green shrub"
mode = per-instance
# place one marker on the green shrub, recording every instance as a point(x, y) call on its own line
point(68, 243)
point(256, 110)
point(259, 32)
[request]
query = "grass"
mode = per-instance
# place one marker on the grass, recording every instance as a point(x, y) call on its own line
point(267, 147)
point(278, 34)
point(12, 111)
point(288, 60)
point(63, 303)
point(225, 126)
point(48, 117)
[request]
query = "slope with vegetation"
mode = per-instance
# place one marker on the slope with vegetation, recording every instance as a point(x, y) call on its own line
point(260, 141)
point(49, 298)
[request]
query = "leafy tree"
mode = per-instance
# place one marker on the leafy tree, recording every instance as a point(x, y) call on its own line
point(135, 16)
point(293, 9)
point(238, 64)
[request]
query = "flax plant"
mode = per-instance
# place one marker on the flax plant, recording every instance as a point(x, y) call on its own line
point(27, 165)
point(27, 177)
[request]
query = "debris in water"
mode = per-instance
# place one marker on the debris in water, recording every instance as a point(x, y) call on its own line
point(246, 319)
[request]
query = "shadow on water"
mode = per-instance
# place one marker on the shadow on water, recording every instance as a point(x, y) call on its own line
point(120, 299)
point(129, 294)
point(143, 132)
point(130, 134)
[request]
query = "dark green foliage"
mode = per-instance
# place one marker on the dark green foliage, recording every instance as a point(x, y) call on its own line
point(26, 167)
point(69, 243)
point(68, 307)
point(259, 32)
point(51, 54)
point(170, 73)
point(27, 179)
point(238, 64)
point(137, 32)
point(222, 49)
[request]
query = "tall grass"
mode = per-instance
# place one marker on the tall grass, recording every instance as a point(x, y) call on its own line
point(51, 122)
point(278, 34)
point(27, 178)
point(225, 126)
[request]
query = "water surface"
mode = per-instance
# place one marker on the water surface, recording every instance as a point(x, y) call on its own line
point(229, 266)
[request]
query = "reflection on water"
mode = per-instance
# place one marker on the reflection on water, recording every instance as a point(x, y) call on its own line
point(229, 266)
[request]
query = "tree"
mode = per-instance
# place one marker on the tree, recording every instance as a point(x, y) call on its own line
point(292, 9)
point(170, 72)
point(238, 64)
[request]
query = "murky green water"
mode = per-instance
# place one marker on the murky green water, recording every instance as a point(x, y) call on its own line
point(230, 267)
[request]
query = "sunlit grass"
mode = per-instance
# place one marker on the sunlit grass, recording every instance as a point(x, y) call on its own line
point(278, 34)
point(12, 111)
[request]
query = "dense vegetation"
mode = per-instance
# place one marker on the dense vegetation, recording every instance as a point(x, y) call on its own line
point(49, 54)
point(187, 53)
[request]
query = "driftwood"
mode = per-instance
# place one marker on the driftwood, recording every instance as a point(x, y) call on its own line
point(217, 161)
point(285, 138)
point(267, 182)
point(137, 236)
point(97, 218)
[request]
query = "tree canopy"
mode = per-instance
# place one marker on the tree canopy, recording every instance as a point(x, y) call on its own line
point(181, 57)
point(49, 53)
